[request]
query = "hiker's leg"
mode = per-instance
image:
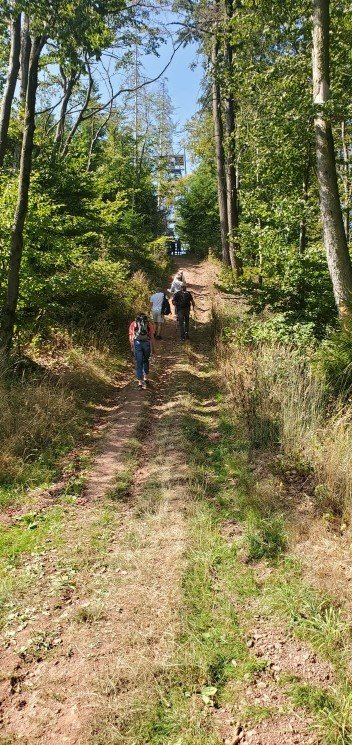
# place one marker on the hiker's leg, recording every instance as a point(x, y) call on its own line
point(146, 355)
point(186, 314)
point(138, 355)
point(181, 321)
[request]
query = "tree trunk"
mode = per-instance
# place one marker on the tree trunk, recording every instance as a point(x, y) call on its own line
point(25, 55)
point(303, 224)
point(220, 157)
point(68, 86)
point(9, 92)
point(16, 246)
point(338, 257)
point(79, 120)
point(230, 168)
point(346, 179)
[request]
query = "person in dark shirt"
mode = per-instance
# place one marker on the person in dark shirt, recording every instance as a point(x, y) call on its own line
point(183, 300)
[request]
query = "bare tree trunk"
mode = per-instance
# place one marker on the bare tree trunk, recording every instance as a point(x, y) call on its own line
point(303, 224)
point(230, 168)
point(346, 180)
point(338, 257)
point(95, 137)
point(16, 246)
point(25, 55)
point(68, 86)
point(9, 92)
point(80, 117)
point(220, 158)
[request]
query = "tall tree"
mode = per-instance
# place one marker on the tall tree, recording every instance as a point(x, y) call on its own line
point(16, 246)
point(336, 247)
point(230, 149)
point(9, 92)
point(219, 153)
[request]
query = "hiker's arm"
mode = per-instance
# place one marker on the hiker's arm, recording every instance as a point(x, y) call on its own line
point(131, 340)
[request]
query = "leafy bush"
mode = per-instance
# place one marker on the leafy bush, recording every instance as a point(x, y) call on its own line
point(265, 537)
point(197, 214)
point(333, 361)
point(298, 289)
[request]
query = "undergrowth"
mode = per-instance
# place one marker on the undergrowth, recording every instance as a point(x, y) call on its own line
point(49, 391)
point(282, 402)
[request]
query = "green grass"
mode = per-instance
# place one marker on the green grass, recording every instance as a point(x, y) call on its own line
point(265, 537)
point(26, 538)
point(332, 710)
point(310, 613)
point(212, 649)
point(123, 481)
point(29, 533)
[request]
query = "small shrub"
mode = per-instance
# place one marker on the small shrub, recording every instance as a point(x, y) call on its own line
point(333, 361)
point(264, 537)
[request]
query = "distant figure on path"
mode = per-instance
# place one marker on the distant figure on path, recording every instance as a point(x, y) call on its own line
point(171, 247)
point(141, 336)
point(178, 246)
point(157, 301)
point(177, 282)
point(183, 300)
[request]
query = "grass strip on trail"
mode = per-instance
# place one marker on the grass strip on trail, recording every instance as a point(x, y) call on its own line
point(223, 594)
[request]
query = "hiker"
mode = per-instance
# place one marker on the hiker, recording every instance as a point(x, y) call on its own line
point(141, 335)
point(183, 300)
point(160, 308)
point(177, 282)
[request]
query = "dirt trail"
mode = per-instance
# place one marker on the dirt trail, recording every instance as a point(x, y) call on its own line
point(120, 621)
point(103, 610)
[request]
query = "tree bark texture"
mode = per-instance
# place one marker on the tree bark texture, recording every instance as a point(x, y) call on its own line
point(10, 86)
point(338, 257)
point(220, 157)
point(346, 179)
point(230, 167)
point(25, 55)
point(68, 85)
point(16, 245)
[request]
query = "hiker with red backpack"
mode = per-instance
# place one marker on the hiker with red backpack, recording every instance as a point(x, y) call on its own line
point(183, 300)
point(141, 336)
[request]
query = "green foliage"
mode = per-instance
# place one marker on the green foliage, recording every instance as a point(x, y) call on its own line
point(333, 360)
point(197, 213)
point(265, 537)
point(297, 288)
point(87, 235)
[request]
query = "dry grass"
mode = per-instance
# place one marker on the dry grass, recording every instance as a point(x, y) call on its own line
point(281, 402)
point(44, 402)
point(32, 416)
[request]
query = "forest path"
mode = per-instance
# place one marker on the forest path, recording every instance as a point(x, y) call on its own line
point(104, 602)
point(127, 624)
